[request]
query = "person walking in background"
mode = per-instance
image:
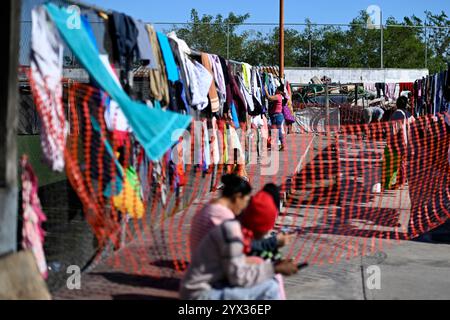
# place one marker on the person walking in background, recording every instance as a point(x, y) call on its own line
point(235, 197)
point(288, 111)
point(394, 165)
point(276, 115)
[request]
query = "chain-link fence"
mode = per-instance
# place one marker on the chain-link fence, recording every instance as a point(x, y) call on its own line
point(356, 45)
point(69, 238)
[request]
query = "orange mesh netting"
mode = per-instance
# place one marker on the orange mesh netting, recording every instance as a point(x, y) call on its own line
point(346, 193)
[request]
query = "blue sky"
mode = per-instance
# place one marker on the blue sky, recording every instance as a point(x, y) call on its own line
point(324, 11)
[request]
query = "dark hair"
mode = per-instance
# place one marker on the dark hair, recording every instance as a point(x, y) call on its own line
point(274, 191)
point(233, 184)
point(281, 88)
point(402, 102)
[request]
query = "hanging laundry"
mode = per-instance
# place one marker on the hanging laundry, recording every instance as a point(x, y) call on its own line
point(114, 116)
point(159, 87)
point(177, 91)
point(125, 45)
point(155, 129)
point(112, 188)
point(235, 144)
point(46, 82)
point(169, 60)
point(219, 78)
point(87, 26)
point(256, 86)
point(33, 217)
point(237, 97)
point(129, 200)
point(392, 91)
point(181, 51)
point(206, 147)
point(246, 76)
point(446, 85)
point(213, 96)
point(159, 181)
point(215, 149)
point(180, 166)
point(246, 94)
point(234, 116)
point(226, 147)
point(226, 76)
point(125, 36)
point(144, 46)
point(201, 80)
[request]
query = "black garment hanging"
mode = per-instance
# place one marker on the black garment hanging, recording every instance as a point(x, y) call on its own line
point(226, 76)
point(124, 35)
point(447, 85)
point(381, 87)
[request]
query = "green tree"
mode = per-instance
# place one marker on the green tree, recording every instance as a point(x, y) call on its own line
point(438, 40)
point(357, 46)
point(210, 34)
point(404, 46)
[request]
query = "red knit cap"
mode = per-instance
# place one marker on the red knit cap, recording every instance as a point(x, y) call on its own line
point(261, 213)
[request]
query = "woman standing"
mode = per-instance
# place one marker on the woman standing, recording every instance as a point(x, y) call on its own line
point(276, 112)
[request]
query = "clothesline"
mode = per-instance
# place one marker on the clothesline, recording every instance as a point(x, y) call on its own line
point(182, 80)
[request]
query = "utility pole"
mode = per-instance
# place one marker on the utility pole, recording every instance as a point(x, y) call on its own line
point(282, 39)
point(426, 44)
point(382, 39)
point(327, 106)
point(228, 41)
point(310, 47)
point(10, 16)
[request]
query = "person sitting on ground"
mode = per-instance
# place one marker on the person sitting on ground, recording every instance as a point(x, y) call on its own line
point(235, 197)
point(220, 270)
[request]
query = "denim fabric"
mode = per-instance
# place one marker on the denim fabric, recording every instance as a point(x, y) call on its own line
point(267, 290)
point(277, 119)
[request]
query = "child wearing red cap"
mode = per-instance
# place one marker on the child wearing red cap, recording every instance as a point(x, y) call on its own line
point(261, 215)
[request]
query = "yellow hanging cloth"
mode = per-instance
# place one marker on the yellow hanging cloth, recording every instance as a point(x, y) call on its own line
point(129, 200)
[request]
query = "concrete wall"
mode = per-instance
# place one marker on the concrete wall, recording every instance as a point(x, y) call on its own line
point(348, 75)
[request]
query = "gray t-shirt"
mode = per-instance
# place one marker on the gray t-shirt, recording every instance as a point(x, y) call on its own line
point(144, 45)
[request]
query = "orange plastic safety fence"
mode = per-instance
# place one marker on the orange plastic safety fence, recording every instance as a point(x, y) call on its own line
point(346, 193)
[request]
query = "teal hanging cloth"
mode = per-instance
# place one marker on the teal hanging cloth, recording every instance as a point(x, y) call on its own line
point(234, 116)
point(109, 190)
point(169, 59)
point(156, 130)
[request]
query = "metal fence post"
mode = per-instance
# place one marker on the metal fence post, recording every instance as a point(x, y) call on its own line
point(228, 41)
point(382, 40)
point(426, 45)
point(327, 105)
point(8, 128)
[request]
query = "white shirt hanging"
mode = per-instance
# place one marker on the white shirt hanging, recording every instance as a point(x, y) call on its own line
point(46, 75)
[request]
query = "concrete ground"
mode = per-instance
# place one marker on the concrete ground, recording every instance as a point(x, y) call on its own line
point(150, 268)
point(408, 270)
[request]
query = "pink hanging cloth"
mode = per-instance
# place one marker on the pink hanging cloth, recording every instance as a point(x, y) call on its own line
point(33, 217)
